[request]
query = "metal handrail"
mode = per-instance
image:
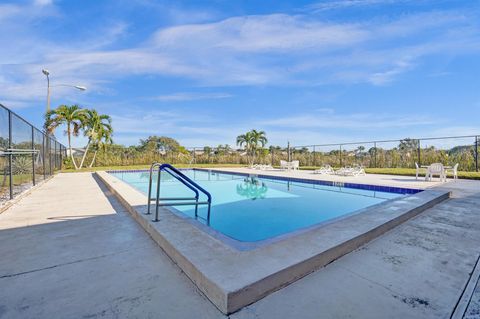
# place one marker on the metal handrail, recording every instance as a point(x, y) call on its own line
point(150, 185)
point(165, 198)
point(158, 187)
point(185, 180)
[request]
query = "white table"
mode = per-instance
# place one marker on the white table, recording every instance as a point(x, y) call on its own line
point(444, 171)
point(445, 167)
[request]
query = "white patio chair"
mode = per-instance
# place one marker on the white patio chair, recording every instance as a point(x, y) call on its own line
point(436, 169)
point(295, 165)
point(454, 171)
point(284, 165)
point(417, 170)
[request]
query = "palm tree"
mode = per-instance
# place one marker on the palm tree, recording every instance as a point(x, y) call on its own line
point(258, 138)
point(95, 126)
point(104, 138)
point(72, 116)
point(245, 139)
point(252, 140)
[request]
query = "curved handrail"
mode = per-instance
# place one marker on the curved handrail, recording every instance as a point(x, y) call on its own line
point(160, 168)
point(185, 180)
point(184, 183)
point(188, 179)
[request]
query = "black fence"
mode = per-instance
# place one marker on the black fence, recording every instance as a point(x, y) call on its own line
point(450, 150)
point(401, 153)
point(27, 155)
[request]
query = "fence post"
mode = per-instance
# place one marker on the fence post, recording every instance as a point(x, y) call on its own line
point(10, 156)
point(57, 158)
point(50, 140)
point(288, 151)
point(375, 154)
point(33, 156)
point(419, 157)
point(62, 150)
point(341, 165)
point(44, 139)
point(476, 153)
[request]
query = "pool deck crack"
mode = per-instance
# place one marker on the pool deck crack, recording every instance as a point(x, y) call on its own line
point(395, 293)
point(64, 264)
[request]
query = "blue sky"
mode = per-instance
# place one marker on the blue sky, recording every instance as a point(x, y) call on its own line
point(205, 71)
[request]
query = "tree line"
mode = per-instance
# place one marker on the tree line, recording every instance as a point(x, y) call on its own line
point(251, 148)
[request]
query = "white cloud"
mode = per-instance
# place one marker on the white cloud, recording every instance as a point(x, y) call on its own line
point(43, 2)
point(268, 33)
point(381, 78)
point(354, 121)
point(191, 96)
point(343, 4)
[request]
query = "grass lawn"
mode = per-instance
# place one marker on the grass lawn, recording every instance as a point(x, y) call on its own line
point(408, 172)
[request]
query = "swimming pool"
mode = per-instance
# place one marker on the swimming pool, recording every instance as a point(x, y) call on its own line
point(256, 208)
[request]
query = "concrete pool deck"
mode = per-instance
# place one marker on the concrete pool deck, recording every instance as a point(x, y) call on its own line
point(231, 278)
point(69, 250)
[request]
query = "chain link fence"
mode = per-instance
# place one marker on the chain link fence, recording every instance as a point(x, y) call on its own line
point(392, 153)
point(27, 155)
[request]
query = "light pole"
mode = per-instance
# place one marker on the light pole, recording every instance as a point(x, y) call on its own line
point(44, 71)
point(47, 74)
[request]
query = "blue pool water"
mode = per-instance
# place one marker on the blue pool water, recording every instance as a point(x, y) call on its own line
point(251, 209)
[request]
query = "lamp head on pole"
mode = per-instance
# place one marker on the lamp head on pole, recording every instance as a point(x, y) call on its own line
point(45, 71)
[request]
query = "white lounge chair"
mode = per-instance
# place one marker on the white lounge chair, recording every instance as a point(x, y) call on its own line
point(351, 171)
point(266, 167)
point(454, 171)
point(324, 170)
point(359, 170)
point(344, 171)
point(436, 169)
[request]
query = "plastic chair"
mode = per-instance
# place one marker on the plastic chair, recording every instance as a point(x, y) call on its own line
point(454, 171)
point(436, 169)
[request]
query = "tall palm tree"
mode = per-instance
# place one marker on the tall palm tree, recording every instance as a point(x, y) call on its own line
point(96, 127)
point(70, 115)
point(252, 140)
point(258, 139)
point(244, 140)
point(104, 138)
